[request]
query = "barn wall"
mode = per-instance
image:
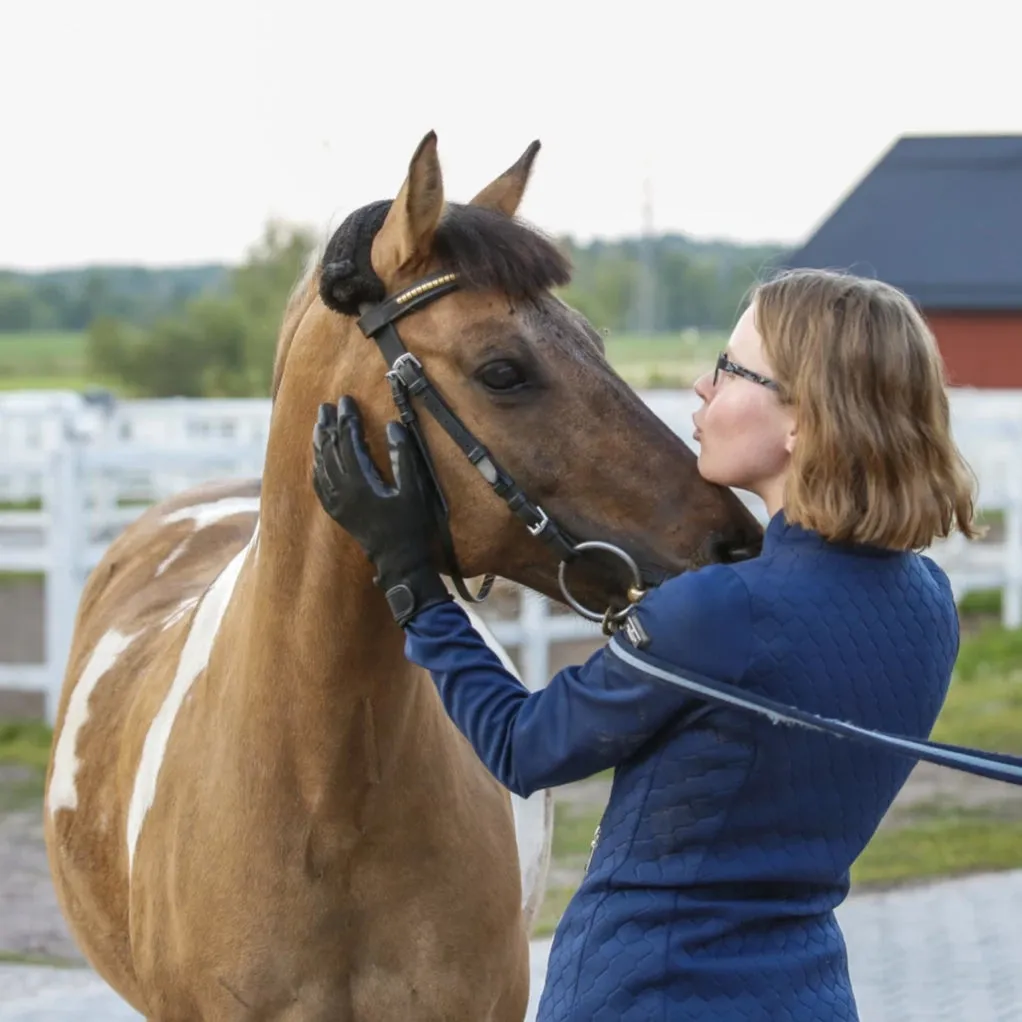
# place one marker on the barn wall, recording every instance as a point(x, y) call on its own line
point(980, 349)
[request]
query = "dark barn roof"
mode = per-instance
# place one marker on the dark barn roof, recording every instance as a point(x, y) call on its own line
point(939, 217)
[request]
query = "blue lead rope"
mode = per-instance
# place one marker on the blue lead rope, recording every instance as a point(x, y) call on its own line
point(995, 765)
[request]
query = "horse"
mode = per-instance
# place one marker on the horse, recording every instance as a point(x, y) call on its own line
point(255, 806)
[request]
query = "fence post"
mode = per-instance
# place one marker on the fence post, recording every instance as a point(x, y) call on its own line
point(64, 499)
point(1011, 604)
point(535, 652)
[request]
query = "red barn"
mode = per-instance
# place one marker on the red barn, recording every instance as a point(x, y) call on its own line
point(941, 218)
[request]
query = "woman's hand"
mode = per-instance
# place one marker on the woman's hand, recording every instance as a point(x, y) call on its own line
point(394, 525)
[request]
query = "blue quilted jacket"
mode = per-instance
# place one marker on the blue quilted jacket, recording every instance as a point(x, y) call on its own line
point(727, 840)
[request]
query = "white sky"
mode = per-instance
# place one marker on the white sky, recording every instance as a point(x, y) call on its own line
point(167, 132)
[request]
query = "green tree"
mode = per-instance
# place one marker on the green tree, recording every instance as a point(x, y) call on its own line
point(215, 345)
point(261, 287)
point(17, 305)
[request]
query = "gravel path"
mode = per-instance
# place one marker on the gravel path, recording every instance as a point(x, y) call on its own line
point(30, 921)
point(942, 953)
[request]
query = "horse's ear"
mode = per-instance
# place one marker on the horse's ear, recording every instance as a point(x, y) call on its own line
point(505, 192)
point(405, 240)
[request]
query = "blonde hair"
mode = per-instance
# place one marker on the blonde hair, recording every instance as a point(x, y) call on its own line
point(874, 460)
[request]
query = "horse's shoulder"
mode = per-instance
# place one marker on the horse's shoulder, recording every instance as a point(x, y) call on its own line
point(155, 570)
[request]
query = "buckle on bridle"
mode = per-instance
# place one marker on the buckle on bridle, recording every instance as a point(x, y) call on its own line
point(407, 369)
point(540, 527)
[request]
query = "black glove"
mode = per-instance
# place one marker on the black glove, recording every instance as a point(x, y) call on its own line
point(393, 524)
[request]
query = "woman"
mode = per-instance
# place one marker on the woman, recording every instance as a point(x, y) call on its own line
point(727, 841)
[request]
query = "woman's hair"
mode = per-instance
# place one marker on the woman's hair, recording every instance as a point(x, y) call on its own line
point(874, 461)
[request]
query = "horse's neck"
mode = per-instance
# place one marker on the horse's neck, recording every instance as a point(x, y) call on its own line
point(326, 677)
point(325, 680)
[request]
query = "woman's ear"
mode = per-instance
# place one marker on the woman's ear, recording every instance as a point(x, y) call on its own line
point(789, 440)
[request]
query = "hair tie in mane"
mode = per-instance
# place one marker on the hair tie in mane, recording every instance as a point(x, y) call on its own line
point(348, 278)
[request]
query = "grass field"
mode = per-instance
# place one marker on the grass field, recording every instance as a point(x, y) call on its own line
point(663, 360)
point(41, 361)
point(48, 361)
point(31, 359)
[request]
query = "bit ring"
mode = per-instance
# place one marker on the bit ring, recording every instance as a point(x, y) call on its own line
point(608, 617)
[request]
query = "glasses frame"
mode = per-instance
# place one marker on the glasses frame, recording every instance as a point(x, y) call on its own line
point(725, 365)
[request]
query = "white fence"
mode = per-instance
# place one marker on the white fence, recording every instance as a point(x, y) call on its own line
point(82, 461)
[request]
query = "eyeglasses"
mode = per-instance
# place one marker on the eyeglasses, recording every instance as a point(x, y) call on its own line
point(725, 365)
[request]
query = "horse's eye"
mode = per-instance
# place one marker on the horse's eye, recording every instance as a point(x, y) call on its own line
point(502, 376)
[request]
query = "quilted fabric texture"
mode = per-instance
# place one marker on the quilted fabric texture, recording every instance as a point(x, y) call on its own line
point(727, 840)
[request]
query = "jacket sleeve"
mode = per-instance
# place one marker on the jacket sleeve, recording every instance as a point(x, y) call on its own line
point(594, 715)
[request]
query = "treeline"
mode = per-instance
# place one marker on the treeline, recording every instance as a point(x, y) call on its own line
point(665, 283)
point(220, 343)
point(212, 330)
point(73, 299)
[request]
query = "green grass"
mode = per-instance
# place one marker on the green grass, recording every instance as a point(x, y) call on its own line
point(990, 517)
point(555, 901)
point(25, 743)
point(47, 360)
point(42, 360)
point(981, 602)
point(54, 961)
point(984, 704)
point(24, 753)
point(16, 578)
point(574, 827)
point(663, 360)
point(77, 382)
point(940, 841)
point(42, 353)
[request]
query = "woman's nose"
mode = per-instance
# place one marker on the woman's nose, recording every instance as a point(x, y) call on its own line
point(704, 385)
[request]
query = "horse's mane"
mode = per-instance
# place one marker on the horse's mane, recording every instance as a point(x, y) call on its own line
point(491, 251)
point(487, 249)
point(298, 303)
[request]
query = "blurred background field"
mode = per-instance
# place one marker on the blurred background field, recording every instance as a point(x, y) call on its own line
point(40, 360)
point(663, 304)
point(37, 360)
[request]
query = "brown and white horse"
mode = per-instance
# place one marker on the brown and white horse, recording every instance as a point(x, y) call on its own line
point(256, 808)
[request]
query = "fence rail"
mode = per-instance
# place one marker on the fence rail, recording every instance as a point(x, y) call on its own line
point(74, 473)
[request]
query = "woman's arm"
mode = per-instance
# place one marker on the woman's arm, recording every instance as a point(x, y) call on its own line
point(591, 716)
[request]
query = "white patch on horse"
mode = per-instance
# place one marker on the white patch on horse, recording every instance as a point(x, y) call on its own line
point(63, 792)
point(194, 656)
point(171, 557)
point(209, 514)
point(534, 819)
point(179, 612)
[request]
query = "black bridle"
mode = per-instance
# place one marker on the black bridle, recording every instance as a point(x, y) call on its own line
point(407, 381)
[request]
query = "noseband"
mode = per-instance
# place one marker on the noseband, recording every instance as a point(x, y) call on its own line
point(407, 381)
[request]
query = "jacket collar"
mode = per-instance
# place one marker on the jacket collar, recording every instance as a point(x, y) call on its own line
point(782, 533)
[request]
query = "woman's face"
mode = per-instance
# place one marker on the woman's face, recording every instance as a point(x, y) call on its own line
point(746, 435)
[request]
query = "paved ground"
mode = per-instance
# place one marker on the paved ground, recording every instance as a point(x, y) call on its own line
point(950, 951)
